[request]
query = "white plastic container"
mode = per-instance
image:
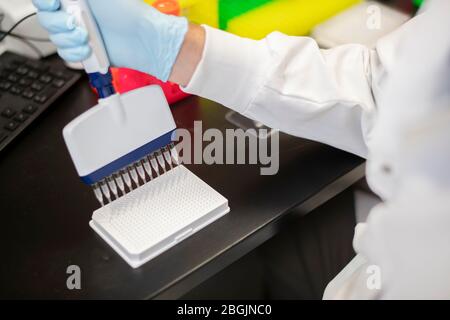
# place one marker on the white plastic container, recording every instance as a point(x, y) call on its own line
point(153, 218)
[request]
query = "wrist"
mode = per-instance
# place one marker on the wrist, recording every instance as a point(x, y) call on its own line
point(189, 56)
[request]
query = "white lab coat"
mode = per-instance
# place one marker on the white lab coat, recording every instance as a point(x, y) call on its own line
point(390, 105)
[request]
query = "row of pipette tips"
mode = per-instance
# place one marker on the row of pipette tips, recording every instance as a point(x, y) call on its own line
point(136, 174)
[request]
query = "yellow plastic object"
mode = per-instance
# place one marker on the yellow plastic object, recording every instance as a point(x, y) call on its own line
point(202, 11)
point(199, 11)
point(188, 3)
point(293, 17)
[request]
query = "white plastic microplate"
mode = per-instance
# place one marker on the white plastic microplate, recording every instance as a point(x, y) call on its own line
point(151, 219)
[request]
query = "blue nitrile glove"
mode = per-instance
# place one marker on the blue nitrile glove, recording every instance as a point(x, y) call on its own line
point(136, 35)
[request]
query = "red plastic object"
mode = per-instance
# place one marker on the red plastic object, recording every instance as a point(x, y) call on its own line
point(127, 79)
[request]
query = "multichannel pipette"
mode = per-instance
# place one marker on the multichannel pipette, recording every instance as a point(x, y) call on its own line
point(124, 141)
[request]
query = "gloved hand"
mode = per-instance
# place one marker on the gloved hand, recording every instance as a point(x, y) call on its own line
point(135, 35)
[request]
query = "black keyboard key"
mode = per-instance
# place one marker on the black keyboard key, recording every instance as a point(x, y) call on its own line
point(11, 126)
point(8, 113)
point(37, 86)
point(58, 83)
point(33, 64)
point(4, 74)
point(3, 136)
point(45, 95)
point(21, 117)
point(22, 70)
point(45, 78)
point(18, 61)
point(41, 98)
point(25, 82)
point(5, 85)
point(13, 77)
point(10, 68)
point(30, 109)
point(62, 74)
point(37, 65)
point(32, 75)
point(16, 90)
point(28, 93)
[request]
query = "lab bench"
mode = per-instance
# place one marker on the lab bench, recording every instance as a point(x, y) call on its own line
point(45, 210)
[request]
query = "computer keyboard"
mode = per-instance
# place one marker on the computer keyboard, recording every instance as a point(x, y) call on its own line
point(27, 88)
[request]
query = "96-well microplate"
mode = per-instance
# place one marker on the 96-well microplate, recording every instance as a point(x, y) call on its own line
point(154, 217)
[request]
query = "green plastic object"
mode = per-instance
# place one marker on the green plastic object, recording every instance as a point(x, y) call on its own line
point(418, 3)
point(229, 9)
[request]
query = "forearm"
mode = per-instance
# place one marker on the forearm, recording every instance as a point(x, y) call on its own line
point(189, 56)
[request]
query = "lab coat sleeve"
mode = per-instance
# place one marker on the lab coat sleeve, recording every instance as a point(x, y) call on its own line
point(290, 84)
